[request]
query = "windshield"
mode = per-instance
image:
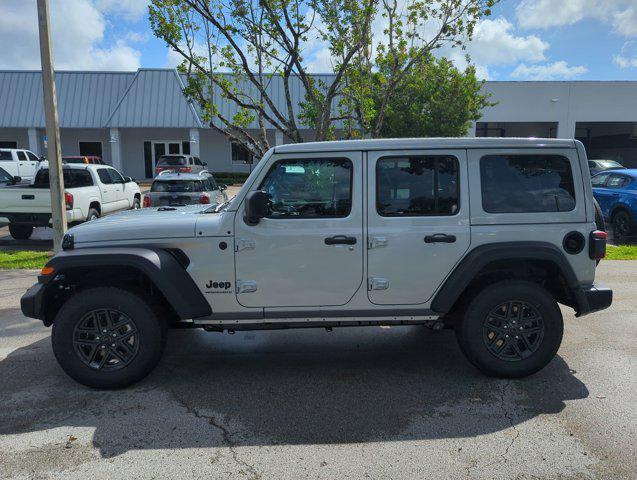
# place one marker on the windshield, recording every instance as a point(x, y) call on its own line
point(176, 186)
point(610, 164)
point(72, 178)
point(171, 160)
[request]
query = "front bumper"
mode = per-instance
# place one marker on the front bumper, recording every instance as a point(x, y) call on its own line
point(32, 301)
point(594, 298)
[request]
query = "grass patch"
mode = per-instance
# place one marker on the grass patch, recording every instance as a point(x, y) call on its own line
point(23, 259)
point(621, 252)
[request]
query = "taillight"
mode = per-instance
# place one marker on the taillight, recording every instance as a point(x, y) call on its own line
point(68, 200)
point(204, 198)
point(597, 245)
point(147, 201)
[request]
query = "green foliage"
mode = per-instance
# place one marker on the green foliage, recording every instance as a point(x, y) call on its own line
point(621, 252)
point(435, 99)
point(23, 259)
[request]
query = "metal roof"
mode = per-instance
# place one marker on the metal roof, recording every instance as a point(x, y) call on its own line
point(423, 143)
point(154, 99)
point(85, 99)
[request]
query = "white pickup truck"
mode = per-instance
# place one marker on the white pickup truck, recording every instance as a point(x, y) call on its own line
point(19, 163)
point(90, 191)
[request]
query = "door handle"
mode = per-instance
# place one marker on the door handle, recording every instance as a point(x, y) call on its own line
point(340, 240)
point(440, 238)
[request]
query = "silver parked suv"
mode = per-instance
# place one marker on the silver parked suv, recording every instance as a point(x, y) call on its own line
point(176, 189)
point(486, 236)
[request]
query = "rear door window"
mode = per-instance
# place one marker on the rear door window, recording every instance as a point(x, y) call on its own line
point(526, 184)
point(417, 186)
point(21, 155)
point(617, 181)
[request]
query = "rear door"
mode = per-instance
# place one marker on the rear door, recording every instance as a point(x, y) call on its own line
point(418, 222)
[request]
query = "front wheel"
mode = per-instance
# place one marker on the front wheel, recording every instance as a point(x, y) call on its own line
point(622, 225)
point(136, 204)
point(511, 329)
point(107, 337)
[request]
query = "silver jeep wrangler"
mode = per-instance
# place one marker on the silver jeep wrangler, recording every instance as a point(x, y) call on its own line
point(486, 236)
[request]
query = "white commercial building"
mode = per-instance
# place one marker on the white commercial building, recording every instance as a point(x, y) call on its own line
point(130, 118)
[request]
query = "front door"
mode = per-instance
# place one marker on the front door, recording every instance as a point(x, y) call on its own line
point(308, 252)
point(166, 148)
point(418, 223)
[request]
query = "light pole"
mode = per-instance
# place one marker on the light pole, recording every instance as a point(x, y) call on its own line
point(56, 179)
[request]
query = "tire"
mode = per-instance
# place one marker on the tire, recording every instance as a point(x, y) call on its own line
point(622, 225)
point(20, 231)
point(600, 223)
point(474, 333)
point(136, 204)
point(83, 356)
point(93, 214)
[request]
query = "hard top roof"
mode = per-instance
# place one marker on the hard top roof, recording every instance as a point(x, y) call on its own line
point(423, 143)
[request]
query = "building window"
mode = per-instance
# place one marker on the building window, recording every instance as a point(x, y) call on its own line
point(8, 144)
point(91, 149)
point(240, 154)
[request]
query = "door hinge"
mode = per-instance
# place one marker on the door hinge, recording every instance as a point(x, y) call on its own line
point(377, 283)
point(246, 286)
point(376, 242)
point(244, 244)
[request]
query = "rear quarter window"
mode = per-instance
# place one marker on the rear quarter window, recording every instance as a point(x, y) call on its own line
point(6, 155)
point(526, 184)
point(73, 178)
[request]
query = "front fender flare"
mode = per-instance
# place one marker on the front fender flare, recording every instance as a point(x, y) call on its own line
point(162, 267)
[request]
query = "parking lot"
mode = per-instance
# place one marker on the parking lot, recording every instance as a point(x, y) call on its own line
point(354, 403)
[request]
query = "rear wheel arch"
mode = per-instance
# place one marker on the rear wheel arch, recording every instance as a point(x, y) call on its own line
point(538, 262)
point(95, 205)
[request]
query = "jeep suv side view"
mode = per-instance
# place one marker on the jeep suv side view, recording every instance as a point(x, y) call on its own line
point(486, 236)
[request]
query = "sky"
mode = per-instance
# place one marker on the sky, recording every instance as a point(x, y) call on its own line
point(521, 40)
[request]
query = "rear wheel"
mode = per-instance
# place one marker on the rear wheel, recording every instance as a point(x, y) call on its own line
point(93, 214)
point(20, 231)
point(622, 225)
point(107, 338)
point(511, 329)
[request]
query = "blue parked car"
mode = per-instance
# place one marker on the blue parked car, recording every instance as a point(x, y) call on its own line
point(616, 193)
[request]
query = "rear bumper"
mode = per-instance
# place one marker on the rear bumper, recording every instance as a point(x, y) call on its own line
point(594, 298)
point(39, 219)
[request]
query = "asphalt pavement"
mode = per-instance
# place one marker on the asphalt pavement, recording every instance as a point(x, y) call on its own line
point(356, 403)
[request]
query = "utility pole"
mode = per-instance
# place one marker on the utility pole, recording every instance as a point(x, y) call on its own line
point(54, 155)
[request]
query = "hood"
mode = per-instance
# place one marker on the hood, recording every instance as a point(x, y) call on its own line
point(145, 223)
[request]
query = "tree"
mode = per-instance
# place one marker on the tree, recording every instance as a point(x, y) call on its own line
point(233, 51)
point(435, 99)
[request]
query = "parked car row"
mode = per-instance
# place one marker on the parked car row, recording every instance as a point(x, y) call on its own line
point(616, 193)
point(90, 191)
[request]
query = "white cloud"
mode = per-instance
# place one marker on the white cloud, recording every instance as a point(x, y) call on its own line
point(77, 30)
point(550, 71)
point(545, 14)
point(131, 9)
point(495, 44)
point(627, 58)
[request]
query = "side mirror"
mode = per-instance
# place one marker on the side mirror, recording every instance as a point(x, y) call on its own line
point(127, 179)
point(223, 187)
point(16, 179)
point(256, 207)
point(42, 158)
point(205, 164)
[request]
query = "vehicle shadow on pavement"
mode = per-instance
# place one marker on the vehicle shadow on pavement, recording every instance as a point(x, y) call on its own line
point(282, 388)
